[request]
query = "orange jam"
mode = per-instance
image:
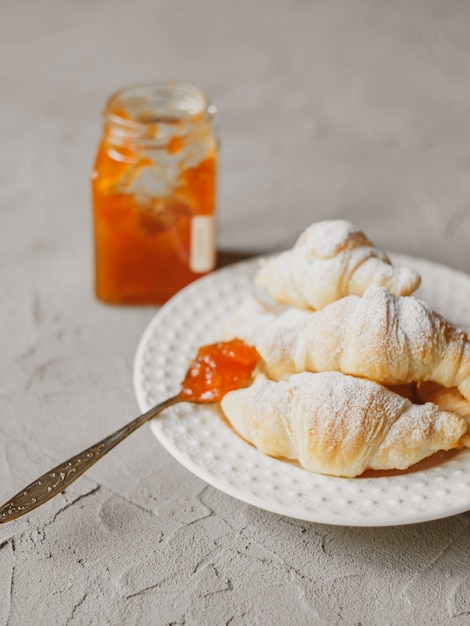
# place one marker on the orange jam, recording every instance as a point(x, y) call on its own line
point(218, 369)
point(153, 187)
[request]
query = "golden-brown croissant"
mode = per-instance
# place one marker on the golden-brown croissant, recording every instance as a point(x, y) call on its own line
point(447, 400)
point(384, 338)
point(339, 425)
point(331, 259)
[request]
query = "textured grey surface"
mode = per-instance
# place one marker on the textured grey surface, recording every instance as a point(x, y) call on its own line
point(326, 108)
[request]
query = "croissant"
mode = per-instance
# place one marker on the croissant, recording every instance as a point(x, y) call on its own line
point(385, 338)
point(447, 400)
point(330, 260)
point(339, 425)
point(249, 320)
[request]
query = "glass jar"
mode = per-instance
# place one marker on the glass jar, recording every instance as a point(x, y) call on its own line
point(154, 186)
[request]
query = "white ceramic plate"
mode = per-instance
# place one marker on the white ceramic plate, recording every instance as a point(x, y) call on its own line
point(199, 439)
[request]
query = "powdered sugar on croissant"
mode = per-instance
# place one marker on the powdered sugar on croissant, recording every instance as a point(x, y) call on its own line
point(339, 425)
point(447, 400)
point(387, 339)
point(331, 259)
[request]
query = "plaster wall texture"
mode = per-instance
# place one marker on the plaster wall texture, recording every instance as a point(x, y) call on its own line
point(356, 109)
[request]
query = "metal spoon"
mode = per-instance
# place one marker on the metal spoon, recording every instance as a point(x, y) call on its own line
point(60, 477)
point(235, 356)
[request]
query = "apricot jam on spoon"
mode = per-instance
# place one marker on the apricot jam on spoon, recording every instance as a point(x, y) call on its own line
point(217, 369)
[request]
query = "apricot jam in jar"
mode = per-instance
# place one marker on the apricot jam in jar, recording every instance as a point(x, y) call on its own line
point(154, 187)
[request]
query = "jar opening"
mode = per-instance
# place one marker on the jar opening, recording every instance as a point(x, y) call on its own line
point(154, 113)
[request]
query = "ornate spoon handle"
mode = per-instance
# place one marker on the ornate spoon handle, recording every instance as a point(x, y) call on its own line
point(60, 477)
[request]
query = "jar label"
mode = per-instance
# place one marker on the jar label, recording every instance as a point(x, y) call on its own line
point(202, 255)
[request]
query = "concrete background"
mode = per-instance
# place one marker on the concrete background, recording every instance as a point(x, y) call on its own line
point(349, 108)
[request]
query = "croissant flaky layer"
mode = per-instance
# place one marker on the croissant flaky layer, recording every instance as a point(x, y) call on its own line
point(339, 425)
point(330, 260)
point(447, 400)
point(384, 338)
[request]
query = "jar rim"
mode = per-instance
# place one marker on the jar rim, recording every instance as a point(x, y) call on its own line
point(155, 112)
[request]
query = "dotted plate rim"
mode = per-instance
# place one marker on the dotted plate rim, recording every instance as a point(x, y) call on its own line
point(201, 441)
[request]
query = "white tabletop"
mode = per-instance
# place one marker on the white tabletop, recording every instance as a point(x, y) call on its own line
point(355, 109)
